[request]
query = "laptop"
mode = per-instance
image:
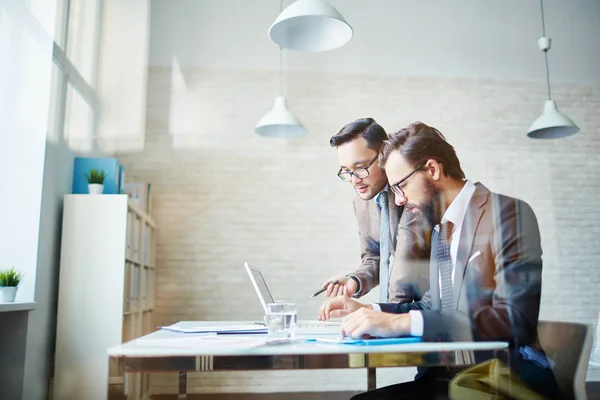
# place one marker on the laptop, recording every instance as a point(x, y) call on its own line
point(303, 327)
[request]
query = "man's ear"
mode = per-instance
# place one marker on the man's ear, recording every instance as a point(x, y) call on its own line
point(434, 169)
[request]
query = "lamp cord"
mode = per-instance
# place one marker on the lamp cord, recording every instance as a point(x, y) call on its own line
point(545, 51)
point(281, 91)
point(281, 72)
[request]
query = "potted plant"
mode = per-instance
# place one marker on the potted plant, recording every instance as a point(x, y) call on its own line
point(9, 281)
point(95, 180)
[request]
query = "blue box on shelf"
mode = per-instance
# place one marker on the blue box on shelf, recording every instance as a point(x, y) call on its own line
point(113, 171)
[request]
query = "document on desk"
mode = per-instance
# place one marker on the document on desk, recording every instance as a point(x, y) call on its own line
point(219, 329)
point(367, 342)
point(208, 342)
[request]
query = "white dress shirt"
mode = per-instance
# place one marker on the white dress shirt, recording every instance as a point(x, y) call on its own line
point(455, 213)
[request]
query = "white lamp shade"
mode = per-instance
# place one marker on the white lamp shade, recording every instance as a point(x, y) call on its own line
point(310, 25)
point(280, 122)
point(552, 124)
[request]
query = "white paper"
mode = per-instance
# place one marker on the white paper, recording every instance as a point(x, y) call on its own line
point(204, 342)
point(249, 328)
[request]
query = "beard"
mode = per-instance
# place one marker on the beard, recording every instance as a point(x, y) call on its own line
point(431, 206)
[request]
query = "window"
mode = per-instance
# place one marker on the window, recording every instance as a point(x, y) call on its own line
point(82, 36)
point(55, 121)
point(78, 122)
point(73, 105)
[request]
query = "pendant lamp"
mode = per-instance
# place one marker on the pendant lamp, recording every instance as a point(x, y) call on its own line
point(310, 25)
point(552, 123)
point(280, 122)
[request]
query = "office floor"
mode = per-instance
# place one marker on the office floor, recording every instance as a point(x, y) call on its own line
point(593, 392)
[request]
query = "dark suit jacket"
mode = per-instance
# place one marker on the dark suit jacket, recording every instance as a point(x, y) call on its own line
point(410, 247)
point(497, 282)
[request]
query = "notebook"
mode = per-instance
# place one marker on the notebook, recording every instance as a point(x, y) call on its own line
point(303, 327)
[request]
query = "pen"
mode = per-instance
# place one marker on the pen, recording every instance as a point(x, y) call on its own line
point(324, 289)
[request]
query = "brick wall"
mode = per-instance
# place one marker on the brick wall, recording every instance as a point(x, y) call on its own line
point(223, 195)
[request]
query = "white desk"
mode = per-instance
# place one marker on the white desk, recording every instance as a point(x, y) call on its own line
point(137, 356)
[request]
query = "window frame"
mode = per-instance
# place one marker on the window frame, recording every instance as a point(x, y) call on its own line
point(69, 75)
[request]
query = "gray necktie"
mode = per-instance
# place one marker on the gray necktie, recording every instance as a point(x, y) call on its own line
point(444, 262)
point(384, 248)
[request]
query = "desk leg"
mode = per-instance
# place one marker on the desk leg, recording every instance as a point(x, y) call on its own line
point(116, 379)
point(182, 385)
point(371, 378)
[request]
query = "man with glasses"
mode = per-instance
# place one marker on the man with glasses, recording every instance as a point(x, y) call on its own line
point(394, 255)
point(486, 269)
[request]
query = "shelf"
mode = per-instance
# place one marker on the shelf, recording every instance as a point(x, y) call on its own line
point(8, 307)
point(116, 287)
point(141, 214)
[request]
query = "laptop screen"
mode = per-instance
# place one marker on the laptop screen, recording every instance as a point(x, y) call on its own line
point(260, 286)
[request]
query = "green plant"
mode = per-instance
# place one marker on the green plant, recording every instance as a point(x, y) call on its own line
point(95, 176)
point(10, 277)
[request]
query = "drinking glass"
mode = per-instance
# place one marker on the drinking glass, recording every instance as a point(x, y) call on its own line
point(282, 318)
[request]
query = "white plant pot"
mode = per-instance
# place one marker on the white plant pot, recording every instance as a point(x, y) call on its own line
point(95, 188)
point(9, 293)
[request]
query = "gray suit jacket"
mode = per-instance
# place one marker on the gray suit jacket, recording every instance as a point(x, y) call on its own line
point(498, 276)
point(497, 286)
point(410, 244)
point(497, 280)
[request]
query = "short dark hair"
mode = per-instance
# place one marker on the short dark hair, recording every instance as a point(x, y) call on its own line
point(373, 133)
point(418, 143)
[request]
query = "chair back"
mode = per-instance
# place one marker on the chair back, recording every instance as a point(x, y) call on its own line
point(568, 345)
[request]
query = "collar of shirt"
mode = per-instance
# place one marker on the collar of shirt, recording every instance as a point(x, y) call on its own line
point(458, 208)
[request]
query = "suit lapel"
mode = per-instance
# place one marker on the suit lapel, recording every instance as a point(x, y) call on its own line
point(467, 235)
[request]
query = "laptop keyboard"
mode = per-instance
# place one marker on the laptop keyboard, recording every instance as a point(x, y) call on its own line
point(312, 325)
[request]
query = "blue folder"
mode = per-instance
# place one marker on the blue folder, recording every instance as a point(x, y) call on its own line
point(368, 342)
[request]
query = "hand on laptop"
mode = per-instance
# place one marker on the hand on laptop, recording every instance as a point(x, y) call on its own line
point(346, 286)
point(339, 307)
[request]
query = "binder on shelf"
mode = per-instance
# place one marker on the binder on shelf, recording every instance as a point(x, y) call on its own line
point(139, 193)
point(146, 244)
point(127, 288)
point(134, 251)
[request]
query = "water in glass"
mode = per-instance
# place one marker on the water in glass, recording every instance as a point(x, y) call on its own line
point(282, 318)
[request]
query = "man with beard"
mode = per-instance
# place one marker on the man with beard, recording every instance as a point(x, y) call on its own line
point(394, 251)
point(486, 268)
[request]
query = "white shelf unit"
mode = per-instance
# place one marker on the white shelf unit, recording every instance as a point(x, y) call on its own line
point(106, 292)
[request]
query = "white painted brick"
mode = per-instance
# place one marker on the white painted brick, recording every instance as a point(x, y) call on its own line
point(231, 196)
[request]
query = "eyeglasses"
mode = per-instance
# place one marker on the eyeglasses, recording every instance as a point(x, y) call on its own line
point(360, 172)
point(396, 187)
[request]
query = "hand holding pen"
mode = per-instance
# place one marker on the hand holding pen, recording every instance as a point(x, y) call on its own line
point(326, 286)
point(337, 286)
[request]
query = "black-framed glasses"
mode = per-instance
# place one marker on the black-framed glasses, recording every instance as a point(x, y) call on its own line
point(396, 186)
point(360, 172)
